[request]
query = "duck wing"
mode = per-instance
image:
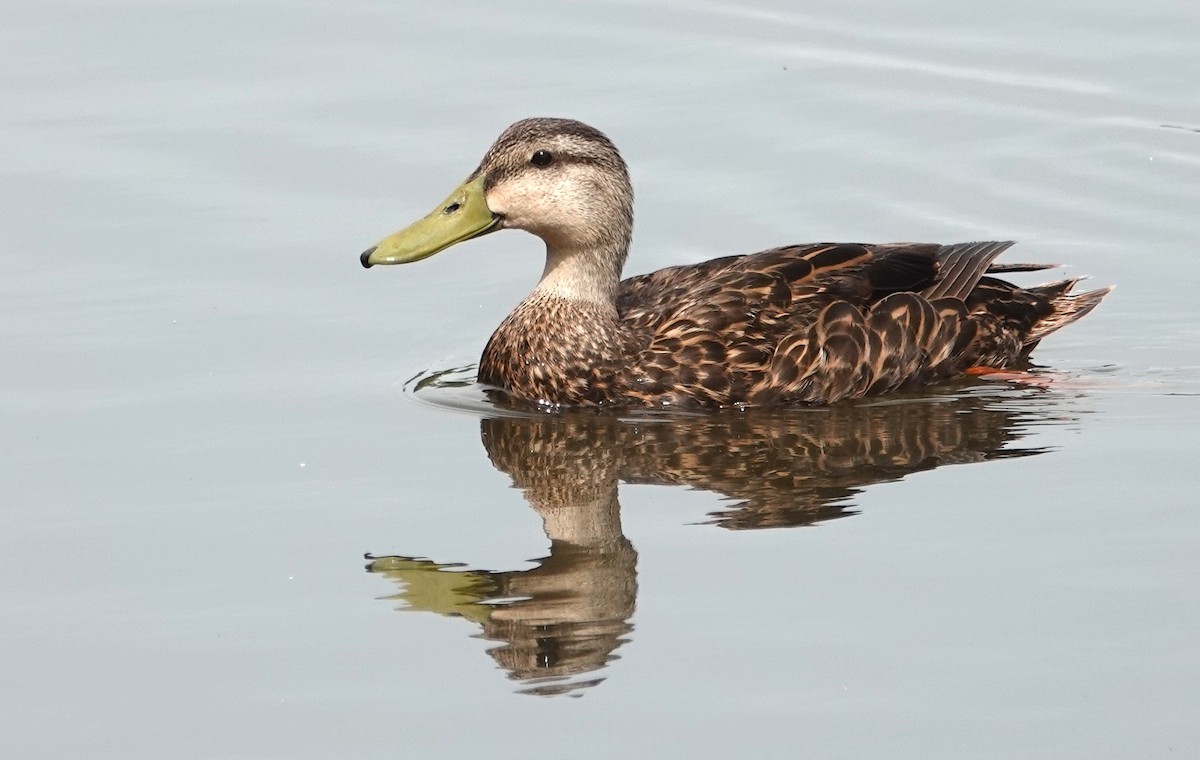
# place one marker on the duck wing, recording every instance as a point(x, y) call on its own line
point(824, 322)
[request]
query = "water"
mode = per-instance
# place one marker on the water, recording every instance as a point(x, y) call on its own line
point(209, 418)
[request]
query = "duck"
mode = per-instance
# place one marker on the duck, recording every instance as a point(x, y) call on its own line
point(801, 325)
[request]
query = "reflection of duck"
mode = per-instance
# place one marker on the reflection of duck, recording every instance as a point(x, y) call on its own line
point(807, 324)
point(793, 467)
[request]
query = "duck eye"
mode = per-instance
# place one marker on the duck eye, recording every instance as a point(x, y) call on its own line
point(542, 158)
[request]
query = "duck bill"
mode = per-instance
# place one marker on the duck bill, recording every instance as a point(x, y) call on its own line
point(462, 216)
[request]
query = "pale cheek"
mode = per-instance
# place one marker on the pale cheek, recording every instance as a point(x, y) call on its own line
point(517, 208)
point(545, 209)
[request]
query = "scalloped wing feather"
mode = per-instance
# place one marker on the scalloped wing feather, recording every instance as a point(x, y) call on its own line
point(822, 323)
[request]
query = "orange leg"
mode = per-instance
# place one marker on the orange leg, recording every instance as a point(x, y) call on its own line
point(1007, 375)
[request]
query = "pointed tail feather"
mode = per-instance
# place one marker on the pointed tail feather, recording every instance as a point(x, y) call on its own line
point(1068, 307)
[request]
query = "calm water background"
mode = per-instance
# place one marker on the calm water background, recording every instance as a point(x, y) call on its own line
point(205, 424)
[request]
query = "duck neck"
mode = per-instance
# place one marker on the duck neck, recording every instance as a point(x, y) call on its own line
point(588, 274)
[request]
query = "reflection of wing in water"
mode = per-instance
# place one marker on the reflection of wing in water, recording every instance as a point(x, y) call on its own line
point(564, 618)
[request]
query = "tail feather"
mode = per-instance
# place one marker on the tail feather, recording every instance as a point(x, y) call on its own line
point(1068, 307)
point(1052, 291)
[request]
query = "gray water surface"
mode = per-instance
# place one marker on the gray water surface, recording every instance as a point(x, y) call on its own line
point(211, 412)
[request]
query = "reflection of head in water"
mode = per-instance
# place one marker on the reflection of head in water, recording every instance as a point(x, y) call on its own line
point(782, 468)
point(562, 619)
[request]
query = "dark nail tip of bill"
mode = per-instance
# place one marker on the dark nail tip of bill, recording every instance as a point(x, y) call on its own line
point(367, 255)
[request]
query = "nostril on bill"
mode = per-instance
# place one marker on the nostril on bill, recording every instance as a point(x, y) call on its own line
point(452, 208)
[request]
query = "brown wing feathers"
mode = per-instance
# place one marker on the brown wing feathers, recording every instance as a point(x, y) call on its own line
point(825, 322)
point(961, 266)
point(901, 339)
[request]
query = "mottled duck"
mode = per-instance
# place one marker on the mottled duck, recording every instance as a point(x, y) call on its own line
point(799, 324)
